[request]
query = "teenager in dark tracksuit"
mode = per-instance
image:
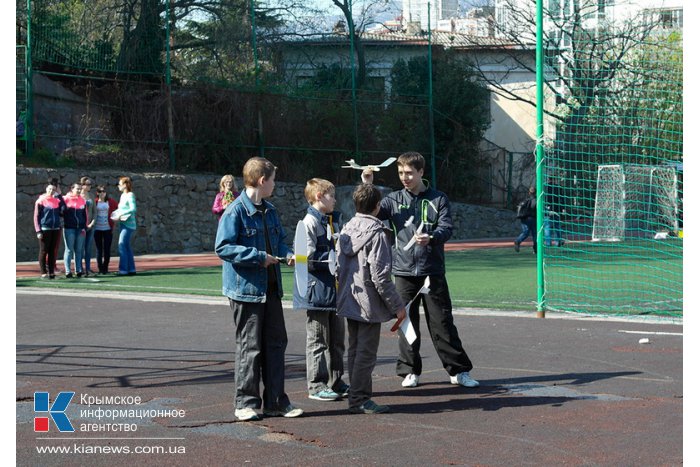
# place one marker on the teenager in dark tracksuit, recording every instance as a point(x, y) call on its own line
point(406, 210)
point(47, 224)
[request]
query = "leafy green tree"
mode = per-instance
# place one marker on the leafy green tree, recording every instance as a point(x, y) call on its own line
point(461, 117)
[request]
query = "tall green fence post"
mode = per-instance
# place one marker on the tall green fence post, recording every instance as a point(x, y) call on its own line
point(431, 118)
point(256, 71)
point(353, 81)
point(29, 117)
point(538, 164)
point(169, 89)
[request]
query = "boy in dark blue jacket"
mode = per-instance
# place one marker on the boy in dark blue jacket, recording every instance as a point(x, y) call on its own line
point(325, 331)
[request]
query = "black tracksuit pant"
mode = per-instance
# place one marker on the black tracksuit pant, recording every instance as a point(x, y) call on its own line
point(438, 315)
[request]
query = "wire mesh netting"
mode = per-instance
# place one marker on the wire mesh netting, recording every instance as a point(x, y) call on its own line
point(613, 174)
point(194, 85)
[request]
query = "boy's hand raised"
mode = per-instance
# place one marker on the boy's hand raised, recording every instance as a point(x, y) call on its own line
point(367, 176)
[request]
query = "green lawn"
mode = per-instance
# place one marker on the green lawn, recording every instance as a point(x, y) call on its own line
point(489, 278)
point(621, 279)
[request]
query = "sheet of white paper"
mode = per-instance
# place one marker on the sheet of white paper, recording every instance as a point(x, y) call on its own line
point(407, 329)
point(426, 287)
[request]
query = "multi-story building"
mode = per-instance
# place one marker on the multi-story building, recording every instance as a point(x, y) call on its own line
point(477, 22)
point(416, 12)
point(517, 17)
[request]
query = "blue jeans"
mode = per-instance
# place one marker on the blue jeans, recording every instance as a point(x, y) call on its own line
point(88, 248)
point(552, 230)
point(126, 254)
point(74, 241)
point(529, 228)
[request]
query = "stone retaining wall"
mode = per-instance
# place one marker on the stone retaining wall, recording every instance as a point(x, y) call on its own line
point(174, 211)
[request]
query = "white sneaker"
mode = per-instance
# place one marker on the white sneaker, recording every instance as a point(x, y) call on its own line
point(246, 414)
point(464, 379)
point(410, 381)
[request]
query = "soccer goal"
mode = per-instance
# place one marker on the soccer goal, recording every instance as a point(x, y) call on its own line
point(635, 201)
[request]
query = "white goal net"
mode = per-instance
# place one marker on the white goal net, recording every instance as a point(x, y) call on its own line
point(634, 201)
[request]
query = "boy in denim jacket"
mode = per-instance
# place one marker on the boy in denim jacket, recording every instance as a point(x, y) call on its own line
point(325, 330)
point(249, 240)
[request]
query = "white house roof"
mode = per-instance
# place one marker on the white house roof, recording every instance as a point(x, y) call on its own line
point(444, 39)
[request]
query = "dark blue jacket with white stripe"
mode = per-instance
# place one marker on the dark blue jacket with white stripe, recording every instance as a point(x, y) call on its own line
point(320, 291)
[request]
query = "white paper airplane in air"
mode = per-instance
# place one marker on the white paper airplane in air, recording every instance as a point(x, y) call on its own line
point(353, 165)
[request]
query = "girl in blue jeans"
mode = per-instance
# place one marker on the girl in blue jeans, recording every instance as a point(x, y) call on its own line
point(126, 213)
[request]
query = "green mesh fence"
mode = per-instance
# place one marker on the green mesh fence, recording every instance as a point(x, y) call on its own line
point(197, 85)
point(21, 93)
point(612, 170)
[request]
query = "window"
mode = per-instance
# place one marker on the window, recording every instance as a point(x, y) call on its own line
point(666, 18)
point(671, 19)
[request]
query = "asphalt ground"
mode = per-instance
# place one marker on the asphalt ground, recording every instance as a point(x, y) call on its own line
point(554, 391)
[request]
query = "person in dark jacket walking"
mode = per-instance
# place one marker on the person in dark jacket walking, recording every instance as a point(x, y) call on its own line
point(421, 221)
point(528, 221)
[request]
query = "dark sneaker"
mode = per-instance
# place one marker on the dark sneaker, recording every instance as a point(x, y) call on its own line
point(516, 245)
point(69, 276)
point(343, 389)
point(325, 395)
point(369, 407)
point(288, 412)
point(79, 274)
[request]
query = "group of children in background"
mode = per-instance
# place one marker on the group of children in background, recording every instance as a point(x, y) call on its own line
point(250, 241)
point(80, 220)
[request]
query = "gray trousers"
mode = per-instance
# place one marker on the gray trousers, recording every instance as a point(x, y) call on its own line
point(325, 346)
point(363, 342)
point(261, 340)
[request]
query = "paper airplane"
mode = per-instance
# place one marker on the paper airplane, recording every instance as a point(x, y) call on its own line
point(353, 165)
point(412, 241)
point(301, 267)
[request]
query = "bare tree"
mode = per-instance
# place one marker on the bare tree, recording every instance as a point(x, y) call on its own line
point(584, 52)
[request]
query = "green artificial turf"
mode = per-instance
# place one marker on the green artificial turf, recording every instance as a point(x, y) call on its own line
point(488, 278)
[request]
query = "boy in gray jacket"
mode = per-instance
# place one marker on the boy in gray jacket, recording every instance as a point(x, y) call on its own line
point(366, 295)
